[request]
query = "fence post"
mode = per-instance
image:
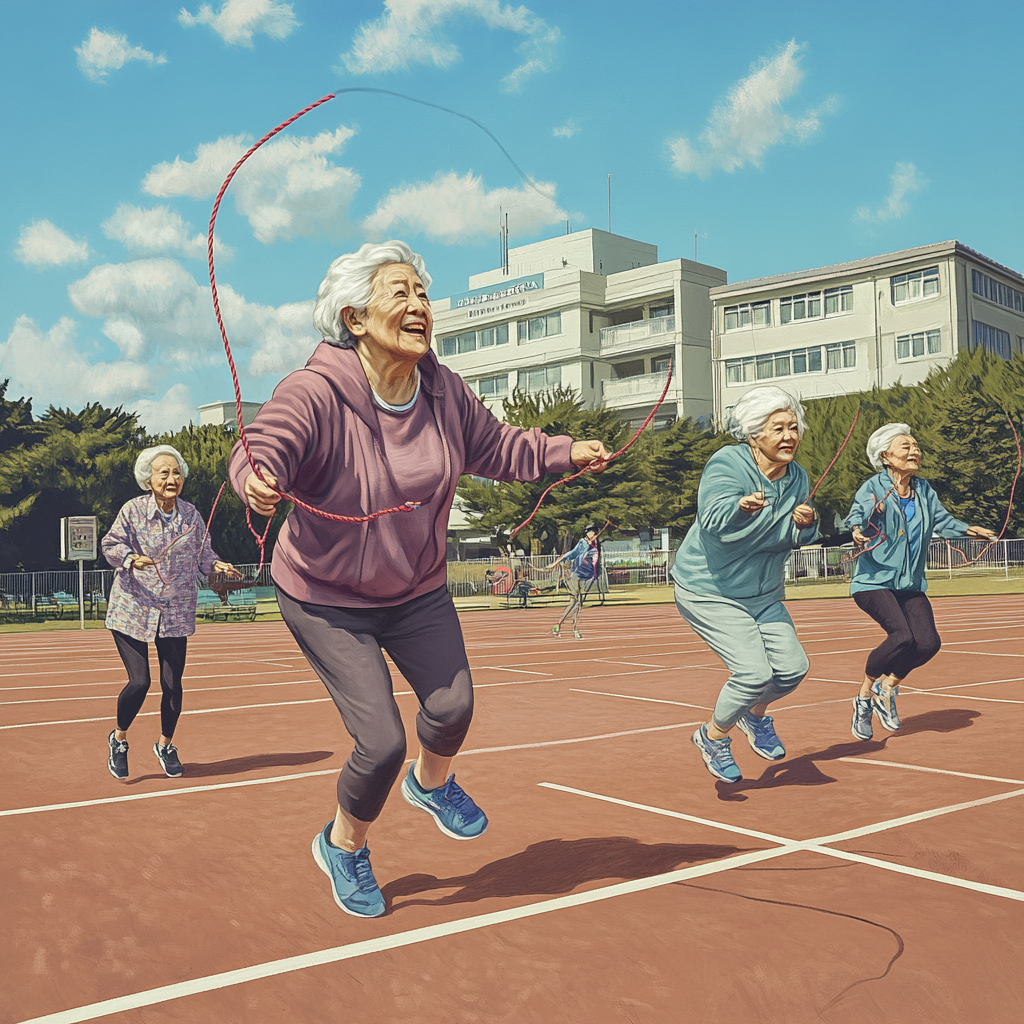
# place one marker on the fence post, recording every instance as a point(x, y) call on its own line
point(949, 558)
point(1006, 559)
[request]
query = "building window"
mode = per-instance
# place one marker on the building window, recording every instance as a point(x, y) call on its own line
point(910, 287)
point(662, 307)
point(470, 341)
point(991, 339)
point(540, 379)
point(540, 327)
point(779, 364)
point(841, 356)
point(839, 300)
point(995, 291)
point(491, 387)
point(747, 314)
point(910, 346)
point(660, 364)
point(799, 307)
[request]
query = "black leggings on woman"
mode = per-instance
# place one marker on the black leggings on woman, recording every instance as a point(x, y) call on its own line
point(906, 615)
point(135, 655)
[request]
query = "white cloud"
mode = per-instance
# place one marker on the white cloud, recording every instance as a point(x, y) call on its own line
point(168, 414)
point(49, 366)
point(451, 209)
point(104, 52)
point(567, 130)
point(155, 310)
point(288, 188)
point(409, 32)
point(904, 179)
point(751, 120)
point(159, 230)
point(43, 244)
point(238, 21)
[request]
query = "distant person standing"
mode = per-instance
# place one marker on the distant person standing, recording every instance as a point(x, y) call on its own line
point(584, 565)
point(157, 544)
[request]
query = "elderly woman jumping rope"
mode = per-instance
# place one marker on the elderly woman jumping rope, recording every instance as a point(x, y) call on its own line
point(893, 518)
point(157, 544)
point(728, 572)
point(372, 421)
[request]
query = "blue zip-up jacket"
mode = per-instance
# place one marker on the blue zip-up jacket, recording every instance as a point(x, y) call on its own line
point(730, 553)
point(888, 566)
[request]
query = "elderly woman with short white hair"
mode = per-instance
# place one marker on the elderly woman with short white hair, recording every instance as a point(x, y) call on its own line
point(374, 421)
point(894, 516)
point(157, 544)
point(729, 572)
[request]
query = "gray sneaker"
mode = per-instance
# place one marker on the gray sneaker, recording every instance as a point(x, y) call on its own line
point(862, 718)
point(169, 761)
point(117, 762)
point(883, 701)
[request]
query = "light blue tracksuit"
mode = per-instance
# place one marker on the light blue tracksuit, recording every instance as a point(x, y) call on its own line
point(877, 514)
point(729, 576)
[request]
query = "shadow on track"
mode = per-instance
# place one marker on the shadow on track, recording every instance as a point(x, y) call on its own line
point(238, 765)
point(804, 770)
point(555, 867)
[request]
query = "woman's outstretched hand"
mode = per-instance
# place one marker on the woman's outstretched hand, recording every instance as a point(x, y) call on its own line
point(589, 453)
point(261, 498)
point(753, 503)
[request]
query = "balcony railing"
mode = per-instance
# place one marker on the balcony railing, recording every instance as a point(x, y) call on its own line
point(646, 387)
point(640, 330)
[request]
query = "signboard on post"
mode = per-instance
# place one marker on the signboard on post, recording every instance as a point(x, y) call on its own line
point(78, 539)
point(78, 536)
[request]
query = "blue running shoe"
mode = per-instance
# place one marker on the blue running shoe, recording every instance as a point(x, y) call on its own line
point(762, 736)
point(455, 813)
point(717, 756)
point(352, 882)
point(883, 702)
point(117, 762)
point(861, 727)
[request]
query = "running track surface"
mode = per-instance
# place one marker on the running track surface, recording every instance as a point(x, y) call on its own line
point(851, 883)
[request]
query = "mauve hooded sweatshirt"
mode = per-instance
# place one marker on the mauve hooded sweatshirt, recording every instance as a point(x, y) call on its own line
point(321, 436)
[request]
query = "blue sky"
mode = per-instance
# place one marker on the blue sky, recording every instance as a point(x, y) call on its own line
point(788, 135)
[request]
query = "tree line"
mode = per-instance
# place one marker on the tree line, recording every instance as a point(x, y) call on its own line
point(67, 463)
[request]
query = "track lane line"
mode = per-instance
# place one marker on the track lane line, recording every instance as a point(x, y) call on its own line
point(937, 771)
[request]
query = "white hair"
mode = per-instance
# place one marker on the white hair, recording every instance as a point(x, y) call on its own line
point(750, 414)
point(144, 463)
point(349, 282)
point(880, 440)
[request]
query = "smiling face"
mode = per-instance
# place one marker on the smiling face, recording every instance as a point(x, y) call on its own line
point(780, 438)
point(166, 479)
point(902, 455)
point(397, 321)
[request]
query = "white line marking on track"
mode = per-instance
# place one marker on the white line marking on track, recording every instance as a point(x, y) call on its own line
point(962, 696)
point(397, 940)
point(964, 686)
point(937, 771)
point(651, 700)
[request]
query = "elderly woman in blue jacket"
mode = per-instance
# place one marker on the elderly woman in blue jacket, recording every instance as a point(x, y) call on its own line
point(893, 519)
point(729, 573)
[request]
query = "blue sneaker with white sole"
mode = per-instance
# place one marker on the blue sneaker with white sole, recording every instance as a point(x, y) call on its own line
point(761, 735)
point(352, 883)
point(717, 756)
point(453, 811)
point(883, 701)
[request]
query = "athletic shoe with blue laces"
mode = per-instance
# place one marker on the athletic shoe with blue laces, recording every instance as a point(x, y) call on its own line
point(717, 756)
point(454, 812)
point(352, 883)
point(762, 737)
point(117, 761)
point(169, 760)
point(861, 727)
point(884, 703)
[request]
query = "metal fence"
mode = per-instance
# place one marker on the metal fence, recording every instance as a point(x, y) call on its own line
point(56, 592)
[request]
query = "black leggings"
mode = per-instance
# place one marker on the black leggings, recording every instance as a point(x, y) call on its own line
point(906, 615)
point(135, 654)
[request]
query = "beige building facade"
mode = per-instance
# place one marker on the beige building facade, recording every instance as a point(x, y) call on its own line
point(590, 310)
point(872, 322)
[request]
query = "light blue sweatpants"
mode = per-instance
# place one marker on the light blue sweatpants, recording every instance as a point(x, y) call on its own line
point(757, 641)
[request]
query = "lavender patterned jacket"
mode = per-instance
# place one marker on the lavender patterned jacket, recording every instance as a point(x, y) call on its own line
point(141, 604)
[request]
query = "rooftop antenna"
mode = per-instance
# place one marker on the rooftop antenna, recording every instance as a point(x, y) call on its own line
point(506, 244)
point(694, 245)
point(609, 204)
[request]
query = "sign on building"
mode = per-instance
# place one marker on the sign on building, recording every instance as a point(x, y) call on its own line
point(78, 539)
